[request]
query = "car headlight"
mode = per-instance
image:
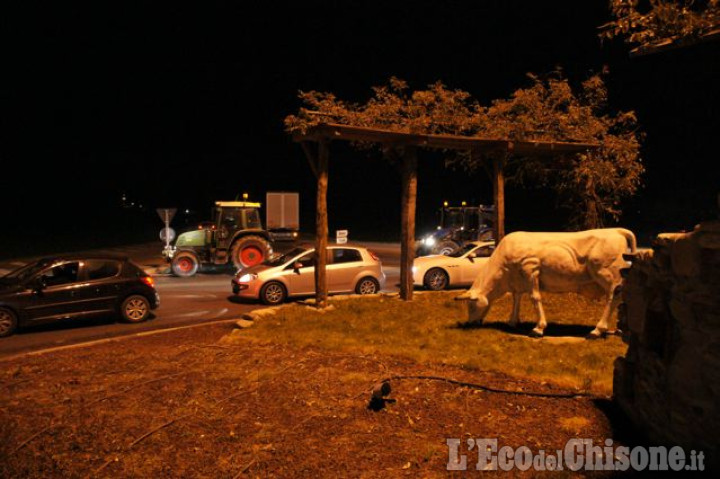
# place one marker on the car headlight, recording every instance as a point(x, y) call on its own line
point(429, 241)
point(414, 269)
point(246, 278)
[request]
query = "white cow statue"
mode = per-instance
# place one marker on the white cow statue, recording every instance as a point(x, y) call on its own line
point(585, 262)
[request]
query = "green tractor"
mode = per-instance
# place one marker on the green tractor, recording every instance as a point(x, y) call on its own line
point(235, 235)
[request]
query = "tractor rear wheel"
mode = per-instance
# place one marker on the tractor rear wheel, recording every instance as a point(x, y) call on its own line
point(249, 251)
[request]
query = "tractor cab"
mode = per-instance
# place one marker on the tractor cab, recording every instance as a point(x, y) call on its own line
point(232, 216)
point(461, 218)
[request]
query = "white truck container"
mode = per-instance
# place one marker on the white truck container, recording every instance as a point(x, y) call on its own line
point(282, 215)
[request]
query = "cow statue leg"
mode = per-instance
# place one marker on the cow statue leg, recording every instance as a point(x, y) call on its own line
point(539, 328)
point(515, 318)
point(531, 270)
point(611, 285)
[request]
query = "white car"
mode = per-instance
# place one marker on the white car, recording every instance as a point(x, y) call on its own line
point(460, 268)
point(350, 269)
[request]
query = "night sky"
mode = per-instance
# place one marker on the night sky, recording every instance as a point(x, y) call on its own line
point(181, 106)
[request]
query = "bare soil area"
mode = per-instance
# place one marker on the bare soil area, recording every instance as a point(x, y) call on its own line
point(187, 404)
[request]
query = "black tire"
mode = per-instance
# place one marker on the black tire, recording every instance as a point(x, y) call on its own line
point(367, 285)
point(185, 264)
point(436, 279)
point(446, 248)
point(8, 322)
point(249, 251)
point(273, 293)
point(135, 309)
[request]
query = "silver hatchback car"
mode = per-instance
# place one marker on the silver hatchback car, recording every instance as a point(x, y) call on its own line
point(350, 269)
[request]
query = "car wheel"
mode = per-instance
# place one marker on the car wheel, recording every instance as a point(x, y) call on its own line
point(367, 286)
point(135, 309)
point(273, 293)
point(436, 279)
point(447, 248)
point(185, 264)
point(250, 251)
point(8, 322)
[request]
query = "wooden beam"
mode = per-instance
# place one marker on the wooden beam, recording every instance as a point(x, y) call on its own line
point(674, 43)
point(321, 226)
point(499, 196)
point(407, 244)
point(333, 131)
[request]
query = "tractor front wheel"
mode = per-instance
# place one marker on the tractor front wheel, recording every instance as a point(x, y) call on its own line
point(184, 264)
point(250, 251)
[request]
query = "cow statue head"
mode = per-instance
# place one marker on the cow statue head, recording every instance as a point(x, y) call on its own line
point(478, 305)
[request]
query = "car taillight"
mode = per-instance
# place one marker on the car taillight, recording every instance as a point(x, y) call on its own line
point(148, 280)
point(373, 256)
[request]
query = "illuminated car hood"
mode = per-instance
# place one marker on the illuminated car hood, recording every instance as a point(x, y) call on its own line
point(437, 259)
point(426, 262)
point(257, 269)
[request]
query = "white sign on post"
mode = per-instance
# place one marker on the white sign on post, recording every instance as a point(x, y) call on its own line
point(167, 234)
point(341, 236)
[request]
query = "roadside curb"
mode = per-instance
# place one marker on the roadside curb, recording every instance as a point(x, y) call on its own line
point(309, 304)
point(261, 313)
point(245, 321)
point(97, 342)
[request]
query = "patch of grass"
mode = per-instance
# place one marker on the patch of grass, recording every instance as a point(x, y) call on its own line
point(433, 329)
point(176, 406)
point(575, 424)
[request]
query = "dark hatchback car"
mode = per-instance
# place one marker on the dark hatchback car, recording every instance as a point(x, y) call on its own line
point(72, 287)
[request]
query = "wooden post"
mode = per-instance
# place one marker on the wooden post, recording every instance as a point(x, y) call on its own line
point(321, 226)
point(407, 245)
point(499, 197)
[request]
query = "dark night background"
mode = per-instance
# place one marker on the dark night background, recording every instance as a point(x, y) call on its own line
point(181, 106)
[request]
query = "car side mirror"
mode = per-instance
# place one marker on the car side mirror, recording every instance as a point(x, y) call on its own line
point(297, 266)
point(472, 257)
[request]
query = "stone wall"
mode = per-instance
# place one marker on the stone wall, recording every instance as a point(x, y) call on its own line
point(669, 382)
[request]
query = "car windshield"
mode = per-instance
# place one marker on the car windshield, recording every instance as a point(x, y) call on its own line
point(464, 250)
point(29, 270)
point(280, 260)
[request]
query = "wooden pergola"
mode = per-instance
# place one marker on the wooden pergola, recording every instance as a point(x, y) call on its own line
point(404, 146)
point(674, 43)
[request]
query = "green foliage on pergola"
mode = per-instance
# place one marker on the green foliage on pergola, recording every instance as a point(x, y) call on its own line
point(592, 183)
point(656, 25)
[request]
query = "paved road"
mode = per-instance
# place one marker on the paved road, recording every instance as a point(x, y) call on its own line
point(184, 301)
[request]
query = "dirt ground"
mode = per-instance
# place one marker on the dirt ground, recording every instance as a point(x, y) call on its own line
point(187, 404)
